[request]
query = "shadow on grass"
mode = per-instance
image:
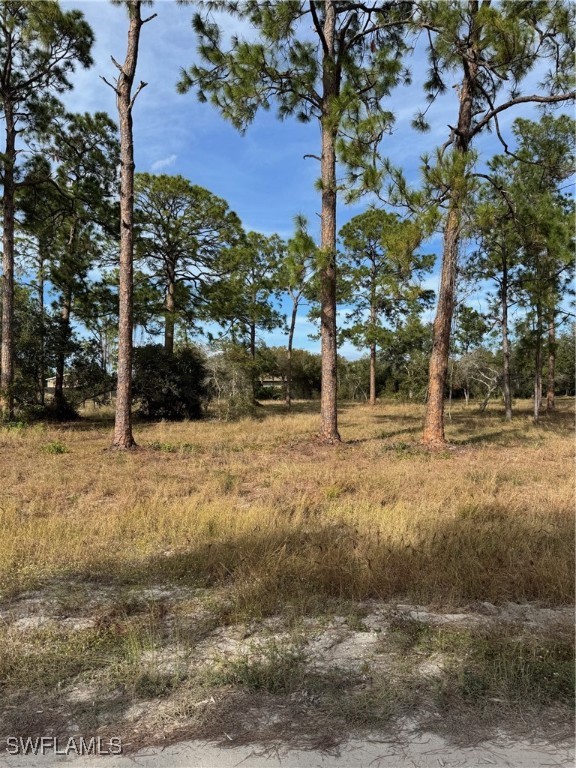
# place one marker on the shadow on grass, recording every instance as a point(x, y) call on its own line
point(485, 678)
point(483, 554)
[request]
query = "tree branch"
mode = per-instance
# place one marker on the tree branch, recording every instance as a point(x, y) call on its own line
point(318, 27)
point(521, 100)
point(133, 99)
point(114, 88)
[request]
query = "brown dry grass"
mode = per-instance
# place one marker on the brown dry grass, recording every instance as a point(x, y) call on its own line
point(265, 521)
point(260, 508)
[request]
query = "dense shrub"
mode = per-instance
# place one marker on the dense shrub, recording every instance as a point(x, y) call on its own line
point(169, 385)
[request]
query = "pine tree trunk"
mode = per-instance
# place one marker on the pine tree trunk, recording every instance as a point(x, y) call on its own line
point(372, 387)
point(42, 364)
point(538, 365)
point(550, 404)
point(170, 309)
point(252, 349)
point(373, 374)
point(328, 396)
point(289, 354)
point(123, 438)
point(506, 345)
point(7, 347)
point(59, 400)
point(434, 420)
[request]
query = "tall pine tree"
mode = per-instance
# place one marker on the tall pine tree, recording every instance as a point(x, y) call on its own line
point(488, 47)
point(40, 45)
point(125, 98)
point(331, 61)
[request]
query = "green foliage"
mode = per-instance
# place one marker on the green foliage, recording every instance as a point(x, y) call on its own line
point(306, 370)
point(45, 44)
point(87, 375)
point(184, 234)
point(55, 448)
point(402, 363)
point(380, 275)
point(566, 361)
point(231, 377)
point(169, 385)
point(241, 300)
point(292, 66)
point(275, 668)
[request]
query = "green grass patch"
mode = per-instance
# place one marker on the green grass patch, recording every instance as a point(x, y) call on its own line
point(55, 448)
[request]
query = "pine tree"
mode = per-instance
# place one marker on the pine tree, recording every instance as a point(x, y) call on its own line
point(380, 278)
point(122, 86)
point(40, 45)
point(183, 234)
point(337, 75)
point(294, 277)
point(491, 46)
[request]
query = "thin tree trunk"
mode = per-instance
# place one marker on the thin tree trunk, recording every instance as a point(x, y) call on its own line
point(7, 346)
point(538, 365)
point(550, 404)
point(59, 400)
point(42, 365)
point(373, 374)
point(252, 350)
point(123, 438)
point(506, 344)
point(372, 388)
point(253, 341)
point(289, 354)
point(450, 387)
point(328, 396)
point(170, 309)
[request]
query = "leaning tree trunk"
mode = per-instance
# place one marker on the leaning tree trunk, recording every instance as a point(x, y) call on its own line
point(123, 438)
point(506, 345)
point(550, 404)
point(7, 351)
point(289, 354)
point(328, 396)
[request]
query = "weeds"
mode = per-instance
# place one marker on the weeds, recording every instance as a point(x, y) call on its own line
point(275, 668)
point(55, 448)
point(497, 666)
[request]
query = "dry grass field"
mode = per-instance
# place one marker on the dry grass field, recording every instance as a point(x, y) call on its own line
point(172, 590)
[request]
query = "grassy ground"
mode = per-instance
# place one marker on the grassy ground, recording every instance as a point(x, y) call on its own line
point(116, 568)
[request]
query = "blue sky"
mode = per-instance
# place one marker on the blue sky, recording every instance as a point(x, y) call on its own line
point(262, 175)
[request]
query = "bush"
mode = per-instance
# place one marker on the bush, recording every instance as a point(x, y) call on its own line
point(169, 385)
point(229, 383)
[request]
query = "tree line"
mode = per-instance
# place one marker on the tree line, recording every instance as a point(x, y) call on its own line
point(157, 251)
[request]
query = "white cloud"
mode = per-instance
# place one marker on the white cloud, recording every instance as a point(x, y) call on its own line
point(164, 162)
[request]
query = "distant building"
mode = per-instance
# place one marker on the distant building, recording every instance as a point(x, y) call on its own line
point(272, 381)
